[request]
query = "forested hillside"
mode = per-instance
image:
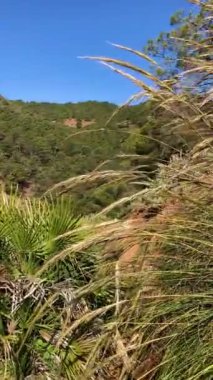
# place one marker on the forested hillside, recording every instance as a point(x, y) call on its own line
point(39, 148)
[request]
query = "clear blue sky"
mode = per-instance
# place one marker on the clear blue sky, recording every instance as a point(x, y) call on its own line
point(41, 39)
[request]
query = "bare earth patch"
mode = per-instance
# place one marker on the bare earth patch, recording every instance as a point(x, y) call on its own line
point(72, 122)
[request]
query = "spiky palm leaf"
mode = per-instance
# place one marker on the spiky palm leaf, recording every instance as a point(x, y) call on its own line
point(31, 232)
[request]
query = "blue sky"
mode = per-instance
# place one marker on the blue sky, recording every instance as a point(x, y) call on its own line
point(41, 39)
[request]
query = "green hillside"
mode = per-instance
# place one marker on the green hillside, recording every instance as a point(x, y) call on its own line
point(36, 146)
point(39, 149)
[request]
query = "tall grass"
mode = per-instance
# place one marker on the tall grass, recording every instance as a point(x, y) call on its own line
point(126, 299)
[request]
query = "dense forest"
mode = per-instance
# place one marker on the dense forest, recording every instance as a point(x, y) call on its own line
point(44, 144)
point(106, 223)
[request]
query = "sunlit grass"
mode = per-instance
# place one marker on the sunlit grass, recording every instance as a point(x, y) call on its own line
point(72, 308)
